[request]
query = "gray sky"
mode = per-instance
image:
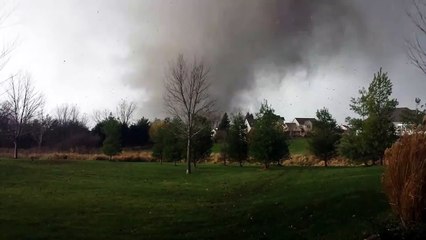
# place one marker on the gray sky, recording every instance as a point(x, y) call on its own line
point(300, 55)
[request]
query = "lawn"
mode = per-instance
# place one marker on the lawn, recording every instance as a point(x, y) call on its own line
point(298, 146)
point(110, 200)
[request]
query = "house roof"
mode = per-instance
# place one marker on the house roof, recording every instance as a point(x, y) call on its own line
point(303, 120)
point(399, 113)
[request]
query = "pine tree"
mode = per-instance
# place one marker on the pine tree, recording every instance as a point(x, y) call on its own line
point(325, 136)
point(236, 142)
point(224, 123)
point(112, 143)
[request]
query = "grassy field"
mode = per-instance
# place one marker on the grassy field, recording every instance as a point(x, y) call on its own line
point(110, 200)
point(298, 146)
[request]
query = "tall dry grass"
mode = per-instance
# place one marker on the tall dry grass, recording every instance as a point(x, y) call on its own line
point(404, 179)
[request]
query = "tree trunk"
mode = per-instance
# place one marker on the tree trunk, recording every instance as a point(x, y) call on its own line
point(174, 162)
point(15, 152)
point(188, 153)
point(241, 163)
point(161, 160)
point(195, 163)
point(325, 162)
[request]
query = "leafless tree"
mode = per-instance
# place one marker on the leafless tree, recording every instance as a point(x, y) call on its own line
point(24, 101)
point(69, 114)
point(187, 96)
point(417, 46)
point(100, 115)
point(125, 111)
point(42, 124)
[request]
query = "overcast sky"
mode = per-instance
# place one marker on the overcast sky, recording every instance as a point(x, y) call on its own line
point(299, 55)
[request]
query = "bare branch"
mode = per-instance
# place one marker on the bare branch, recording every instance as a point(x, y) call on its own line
point(416, 49)
point(125, 111)
point(187, 96)
point(24, 101)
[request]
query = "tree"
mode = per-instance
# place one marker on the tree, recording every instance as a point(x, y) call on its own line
point(236, 142)
point(224, 123)
point(67, 114)
point(138, 134)
point(325, 136)
point(125, 111)
point(416, 47)
point(23, 101)
point(202, 142)
point(187, 97)
point(267, 140)
point(41, 125)
point(168, 144)
point(375, 129)
point(112, 143)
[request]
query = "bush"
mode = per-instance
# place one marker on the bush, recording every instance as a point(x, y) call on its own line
point(404, 179)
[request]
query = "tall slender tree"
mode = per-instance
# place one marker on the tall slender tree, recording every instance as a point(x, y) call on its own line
point(187, 97)
point(237, 145)
point(23, 101)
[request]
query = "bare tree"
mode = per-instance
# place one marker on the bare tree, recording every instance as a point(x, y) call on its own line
point(100, 115)
point(24, 101)
point(42, 124)
point(69, 114)
point(416, 47)
point(125, 111)
point(187, 96)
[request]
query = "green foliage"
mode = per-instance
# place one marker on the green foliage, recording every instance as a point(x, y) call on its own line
point(168, 141)
point(112, 130)
point(298, 146)
point(202, 141)
point(374, 132)
point(224, 123)
point(267, 140)
point(236, 142)
point(325, 136)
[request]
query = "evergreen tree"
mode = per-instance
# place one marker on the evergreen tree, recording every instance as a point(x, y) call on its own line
point(267, 140)
point(236, 142)
point(168, 142)
point(202, 142)
point(112, 143)
point(224, 123)
point(325, 136)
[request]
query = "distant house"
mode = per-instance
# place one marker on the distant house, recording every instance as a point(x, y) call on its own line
point(249, 121)
point(397, 118)
point(305, 125)
point(292, 129)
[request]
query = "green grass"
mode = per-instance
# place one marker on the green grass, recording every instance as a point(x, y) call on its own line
point(298, 146)
point(216, 148)
point(108, 200)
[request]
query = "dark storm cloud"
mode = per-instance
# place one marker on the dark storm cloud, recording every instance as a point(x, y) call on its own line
point(238, 39)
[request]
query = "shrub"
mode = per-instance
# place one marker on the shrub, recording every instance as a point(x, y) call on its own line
point(404, 179)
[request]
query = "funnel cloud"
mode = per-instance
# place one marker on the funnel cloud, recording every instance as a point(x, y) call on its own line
point(240, 39)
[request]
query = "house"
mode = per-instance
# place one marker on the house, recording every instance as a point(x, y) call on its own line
point(305, 125)
point(292, 129)
point(398, 120)
point(249, 121)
